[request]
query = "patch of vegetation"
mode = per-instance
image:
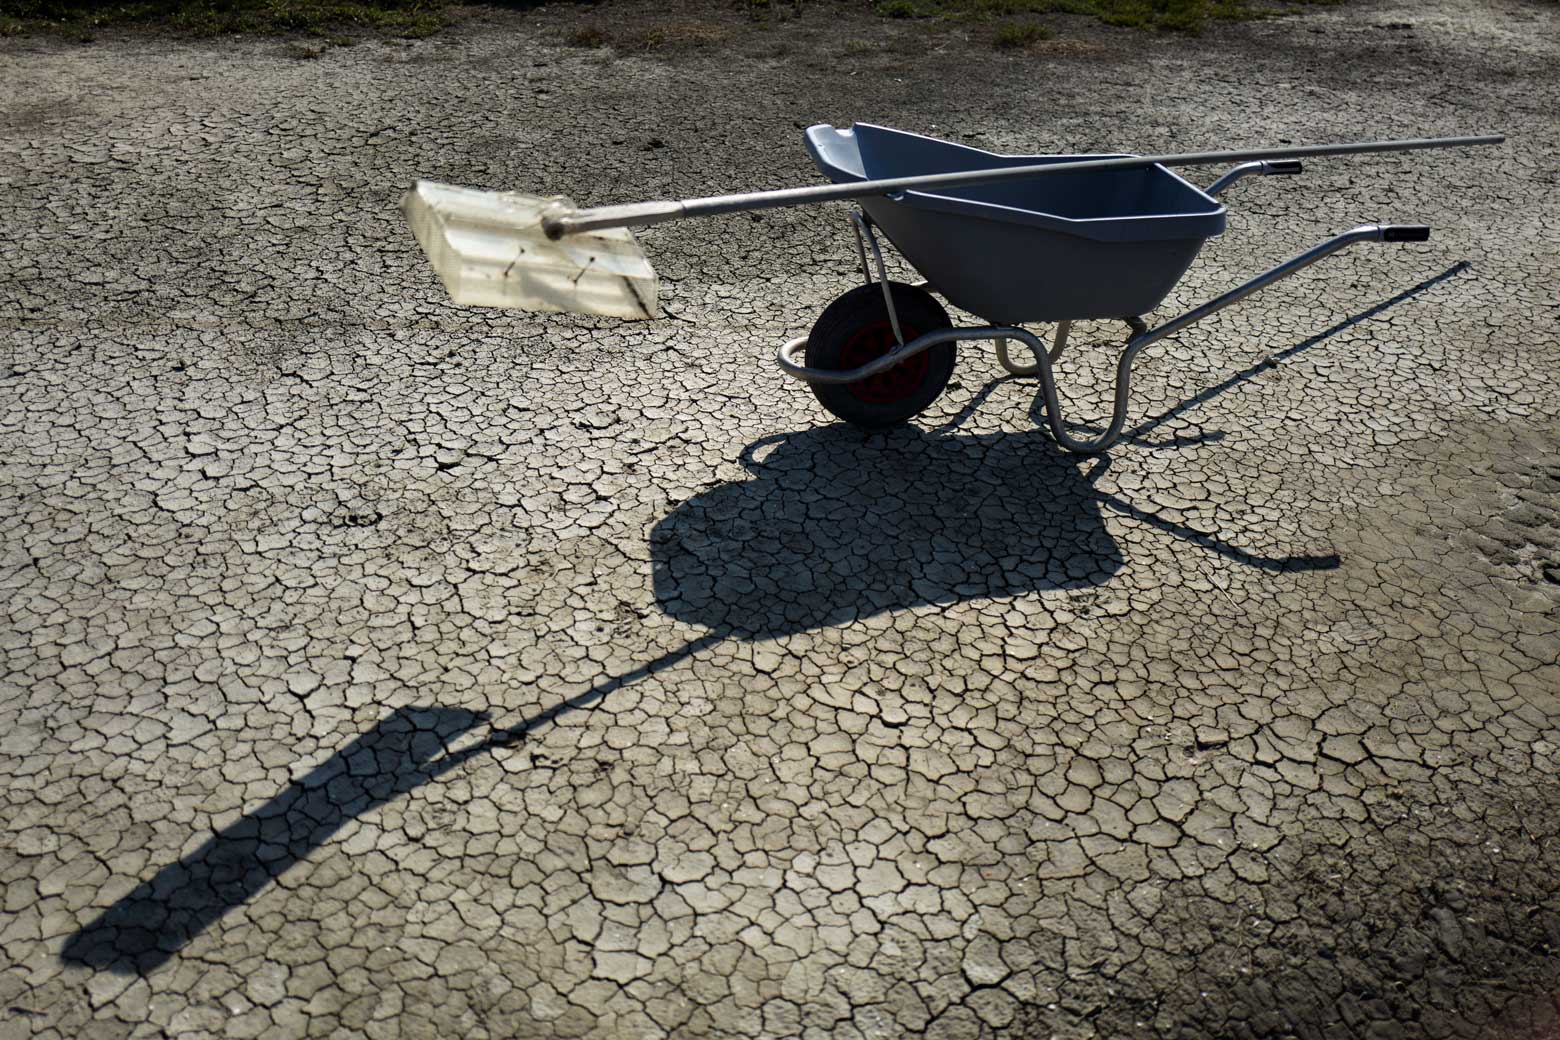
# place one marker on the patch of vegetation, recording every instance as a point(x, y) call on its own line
point(324, 18)
point(589, 36)
point(664, 36)
point(766, 11)
point(676, 35)
point(1182, 15)
point(1015, 35)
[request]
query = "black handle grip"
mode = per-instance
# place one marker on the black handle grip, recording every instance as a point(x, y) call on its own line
point(1405, 233)
point(1283, 166)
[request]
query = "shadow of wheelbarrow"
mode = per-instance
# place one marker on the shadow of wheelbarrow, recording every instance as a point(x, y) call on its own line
point(836, 526)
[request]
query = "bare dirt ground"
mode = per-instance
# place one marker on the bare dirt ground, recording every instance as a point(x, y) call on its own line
point(375, 667)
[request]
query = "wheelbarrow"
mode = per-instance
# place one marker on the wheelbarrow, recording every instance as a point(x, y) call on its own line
point(1106, 243)
point(1012, 239)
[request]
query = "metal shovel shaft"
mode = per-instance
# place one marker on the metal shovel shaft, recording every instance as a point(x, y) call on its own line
point(639, 214)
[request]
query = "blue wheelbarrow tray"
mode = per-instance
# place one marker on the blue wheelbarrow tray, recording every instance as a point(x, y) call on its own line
point(1064, 247)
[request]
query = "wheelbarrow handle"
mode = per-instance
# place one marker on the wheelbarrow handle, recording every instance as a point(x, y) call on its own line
point(1266, 167)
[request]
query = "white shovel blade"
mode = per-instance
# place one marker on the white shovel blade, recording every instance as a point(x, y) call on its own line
point(489, 250)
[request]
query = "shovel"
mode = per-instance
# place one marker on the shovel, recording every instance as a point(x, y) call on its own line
point(509, 249)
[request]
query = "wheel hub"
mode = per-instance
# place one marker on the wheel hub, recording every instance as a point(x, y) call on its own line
point(868, 344)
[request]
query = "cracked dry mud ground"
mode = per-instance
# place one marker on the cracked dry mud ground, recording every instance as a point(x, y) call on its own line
point(374, 667)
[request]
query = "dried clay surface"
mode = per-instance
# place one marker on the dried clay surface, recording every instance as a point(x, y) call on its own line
point(373, 667)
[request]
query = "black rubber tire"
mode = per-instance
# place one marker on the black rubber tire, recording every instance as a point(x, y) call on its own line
point(854, 329)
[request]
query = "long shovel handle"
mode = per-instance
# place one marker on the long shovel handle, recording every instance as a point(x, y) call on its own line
point(566, 221)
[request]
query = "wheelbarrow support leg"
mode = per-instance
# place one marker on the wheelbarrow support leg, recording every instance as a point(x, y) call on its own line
point(861, 224)
point(1058, 344)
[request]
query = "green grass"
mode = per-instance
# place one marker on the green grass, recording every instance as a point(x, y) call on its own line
point(1182, 15)
point(324, 18)
point(1015, 35)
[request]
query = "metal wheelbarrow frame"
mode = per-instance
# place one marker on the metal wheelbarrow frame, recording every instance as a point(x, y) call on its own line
point(1145, 232)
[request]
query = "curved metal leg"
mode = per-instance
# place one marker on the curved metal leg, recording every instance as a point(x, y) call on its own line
point(1141, 338)
point(1057, 346)
point(1059, 343)
point(1053, 404)
point(1007, 363)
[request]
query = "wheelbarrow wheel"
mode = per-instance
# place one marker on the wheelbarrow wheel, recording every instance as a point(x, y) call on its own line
point(854, 330)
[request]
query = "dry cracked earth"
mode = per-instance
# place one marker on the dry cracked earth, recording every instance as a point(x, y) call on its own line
point(378, 667)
